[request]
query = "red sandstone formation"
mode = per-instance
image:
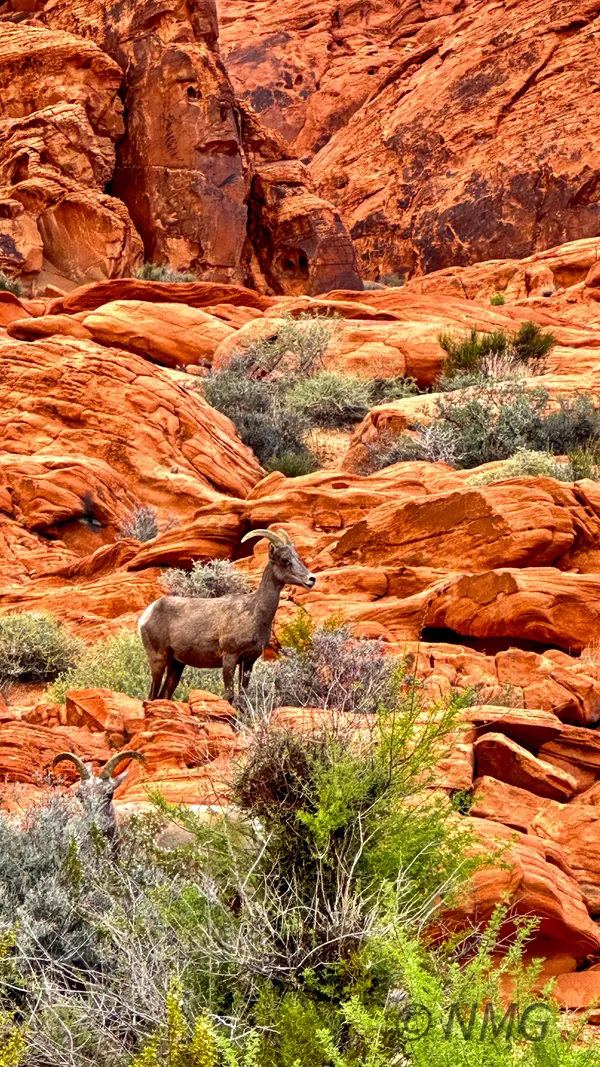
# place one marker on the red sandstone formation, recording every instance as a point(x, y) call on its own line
point(204, 184)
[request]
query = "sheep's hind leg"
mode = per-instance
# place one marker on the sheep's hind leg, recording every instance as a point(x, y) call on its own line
point(157, 669)
point(172, 678)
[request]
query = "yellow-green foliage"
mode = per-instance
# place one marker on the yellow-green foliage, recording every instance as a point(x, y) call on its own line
point(13, 1043)
point(299, 633)
point(173, 1046)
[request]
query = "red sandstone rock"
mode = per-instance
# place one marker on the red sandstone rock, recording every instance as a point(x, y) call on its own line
point(528, 728)
point(534, 878)
point(116, 407)
point(27, 751)
point(508, 804)
point(190, 166)
point(499, 757)
point(576, 828)
point(414, 204)
point(61, 117)
point(481, 528)
point(174, 335)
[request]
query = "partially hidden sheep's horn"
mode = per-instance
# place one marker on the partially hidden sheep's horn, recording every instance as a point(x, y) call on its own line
point(84, 772)
point(276, 538)
point(113, 763)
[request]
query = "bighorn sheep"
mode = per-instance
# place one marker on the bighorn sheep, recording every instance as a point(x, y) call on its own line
point(221, 632)
point(96, 792)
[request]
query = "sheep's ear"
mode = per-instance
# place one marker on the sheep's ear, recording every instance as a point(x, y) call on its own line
point(117, 780)
point(272, 551)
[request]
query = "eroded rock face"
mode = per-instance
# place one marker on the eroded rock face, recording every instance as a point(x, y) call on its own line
point(190, 157)
point(61, 117)
point(424, 173)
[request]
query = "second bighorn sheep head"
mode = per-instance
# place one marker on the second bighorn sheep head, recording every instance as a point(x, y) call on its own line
point(96, 791)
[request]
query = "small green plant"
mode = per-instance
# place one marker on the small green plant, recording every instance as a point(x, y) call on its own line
point(497, 300)
point(385, 390)
point(393, 281)
point(153, 272)
point(217, 577)
point(299, 633)
point(496, 354)
point(120, 664)
point(141, 524)
point(10, 285)
point(34, 647)
point(584, 462)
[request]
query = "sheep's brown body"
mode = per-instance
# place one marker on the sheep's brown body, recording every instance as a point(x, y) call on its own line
point(227, 632)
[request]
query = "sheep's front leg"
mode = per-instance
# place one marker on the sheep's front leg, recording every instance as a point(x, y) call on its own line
point(229, 665)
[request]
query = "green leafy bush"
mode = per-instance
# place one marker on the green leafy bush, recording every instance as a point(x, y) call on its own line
point(330, 399)
point(497, 300)
point(284, 936)
point(34, 647)
point(525, 463)
point(152, 272)
point(10, 285)
point(496, 354)
point(120, 664)
point(217, 577)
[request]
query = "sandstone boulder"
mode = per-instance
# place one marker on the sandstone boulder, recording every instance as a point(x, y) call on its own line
point(509, 804)
point(497, 756)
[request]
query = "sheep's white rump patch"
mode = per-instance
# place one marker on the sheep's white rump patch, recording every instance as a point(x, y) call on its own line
point(143, 619)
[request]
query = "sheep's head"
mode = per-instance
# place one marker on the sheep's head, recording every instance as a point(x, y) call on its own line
point(287, 566)
point(96, 791)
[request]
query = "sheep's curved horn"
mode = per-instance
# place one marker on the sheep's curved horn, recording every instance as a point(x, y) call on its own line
point(276, 538)
point(84, 773)
point(114, 761)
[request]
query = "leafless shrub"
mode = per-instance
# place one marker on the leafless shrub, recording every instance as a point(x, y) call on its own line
point(217, 577)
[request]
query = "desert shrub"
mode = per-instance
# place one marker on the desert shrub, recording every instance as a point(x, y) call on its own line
point(495, 421)
point(584, 461)
point(497, 300)
point(153, 272)
point(384, 390)
point(393, 281)
point(297, 349)
point(326, 667)
point(293, 464)
point(525, 463)
point(256, 409)
point(436, 443)
point(330, 399)
point(10, 285)
point(34, 647)
point(120, 664)
point(368, 284)
point(141, 524)
point(217, 577)
point(286, 936)
point(496, 354)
